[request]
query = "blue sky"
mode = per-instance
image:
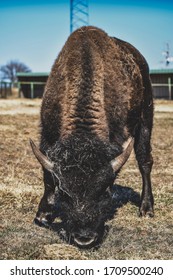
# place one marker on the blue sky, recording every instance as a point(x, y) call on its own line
point(34, 31)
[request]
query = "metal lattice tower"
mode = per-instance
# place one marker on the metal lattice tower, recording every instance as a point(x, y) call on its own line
point(78, 14)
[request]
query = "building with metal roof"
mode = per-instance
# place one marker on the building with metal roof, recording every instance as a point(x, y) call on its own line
point(162, 82)
point(31, 84)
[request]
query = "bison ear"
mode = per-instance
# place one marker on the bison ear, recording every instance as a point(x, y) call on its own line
point(43, 160)
point(119, 161)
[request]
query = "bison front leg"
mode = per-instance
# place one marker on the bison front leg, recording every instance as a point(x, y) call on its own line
point(46, 211)
point(145, 162)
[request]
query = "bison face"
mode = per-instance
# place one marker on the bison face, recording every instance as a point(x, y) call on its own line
point(82, 174)
point(84, 220)
point(85, 204)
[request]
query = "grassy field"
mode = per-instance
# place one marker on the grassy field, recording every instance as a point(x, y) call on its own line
point(21, 187)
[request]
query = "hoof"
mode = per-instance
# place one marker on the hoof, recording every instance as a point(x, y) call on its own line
point(41, 223)
point(149, 214)
point(146, 208)
point(43, 220)
point(146, 211)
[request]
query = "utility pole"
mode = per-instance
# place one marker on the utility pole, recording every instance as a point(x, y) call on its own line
point(78, 14)
point(166, 54)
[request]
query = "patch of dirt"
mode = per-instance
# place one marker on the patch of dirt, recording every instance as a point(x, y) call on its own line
point(62, 252)
point(164, 106)
point(19, 106)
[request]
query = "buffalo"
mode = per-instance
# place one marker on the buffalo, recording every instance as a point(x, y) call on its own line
point(97, 106)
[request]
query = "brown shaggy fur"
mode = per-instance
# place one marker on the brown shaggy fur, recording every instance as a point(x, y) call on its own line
point(94, 84)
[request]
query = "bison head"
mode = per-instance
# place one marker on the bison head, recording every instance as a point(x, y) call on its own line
point(82, 172)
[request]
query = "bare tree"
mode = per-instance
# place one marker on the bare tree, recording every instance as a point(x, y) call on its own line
point(9, 71)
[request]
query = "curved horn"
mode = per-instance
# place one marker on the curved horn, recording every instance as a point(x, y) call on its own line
point(43, 160)
point(119, 161)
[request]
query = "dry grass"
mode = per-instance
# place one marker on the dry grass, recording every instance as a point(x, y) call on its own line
point(129, 236)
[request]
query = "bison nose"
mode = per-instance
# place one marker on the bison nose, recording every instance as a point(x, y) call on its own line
point(85, 240)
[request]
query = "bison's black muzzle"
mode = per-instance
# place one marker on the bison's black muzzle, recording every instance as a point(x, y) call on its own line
point(84, 239)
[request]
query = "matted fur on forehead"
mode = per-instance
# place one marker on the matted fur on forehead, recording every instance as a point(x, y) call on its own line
point(82, 153)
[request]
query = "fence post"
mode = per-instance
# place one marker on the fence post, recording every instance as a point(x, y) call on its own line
point(32, 90)
point(19, 88)
point(169, 88)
